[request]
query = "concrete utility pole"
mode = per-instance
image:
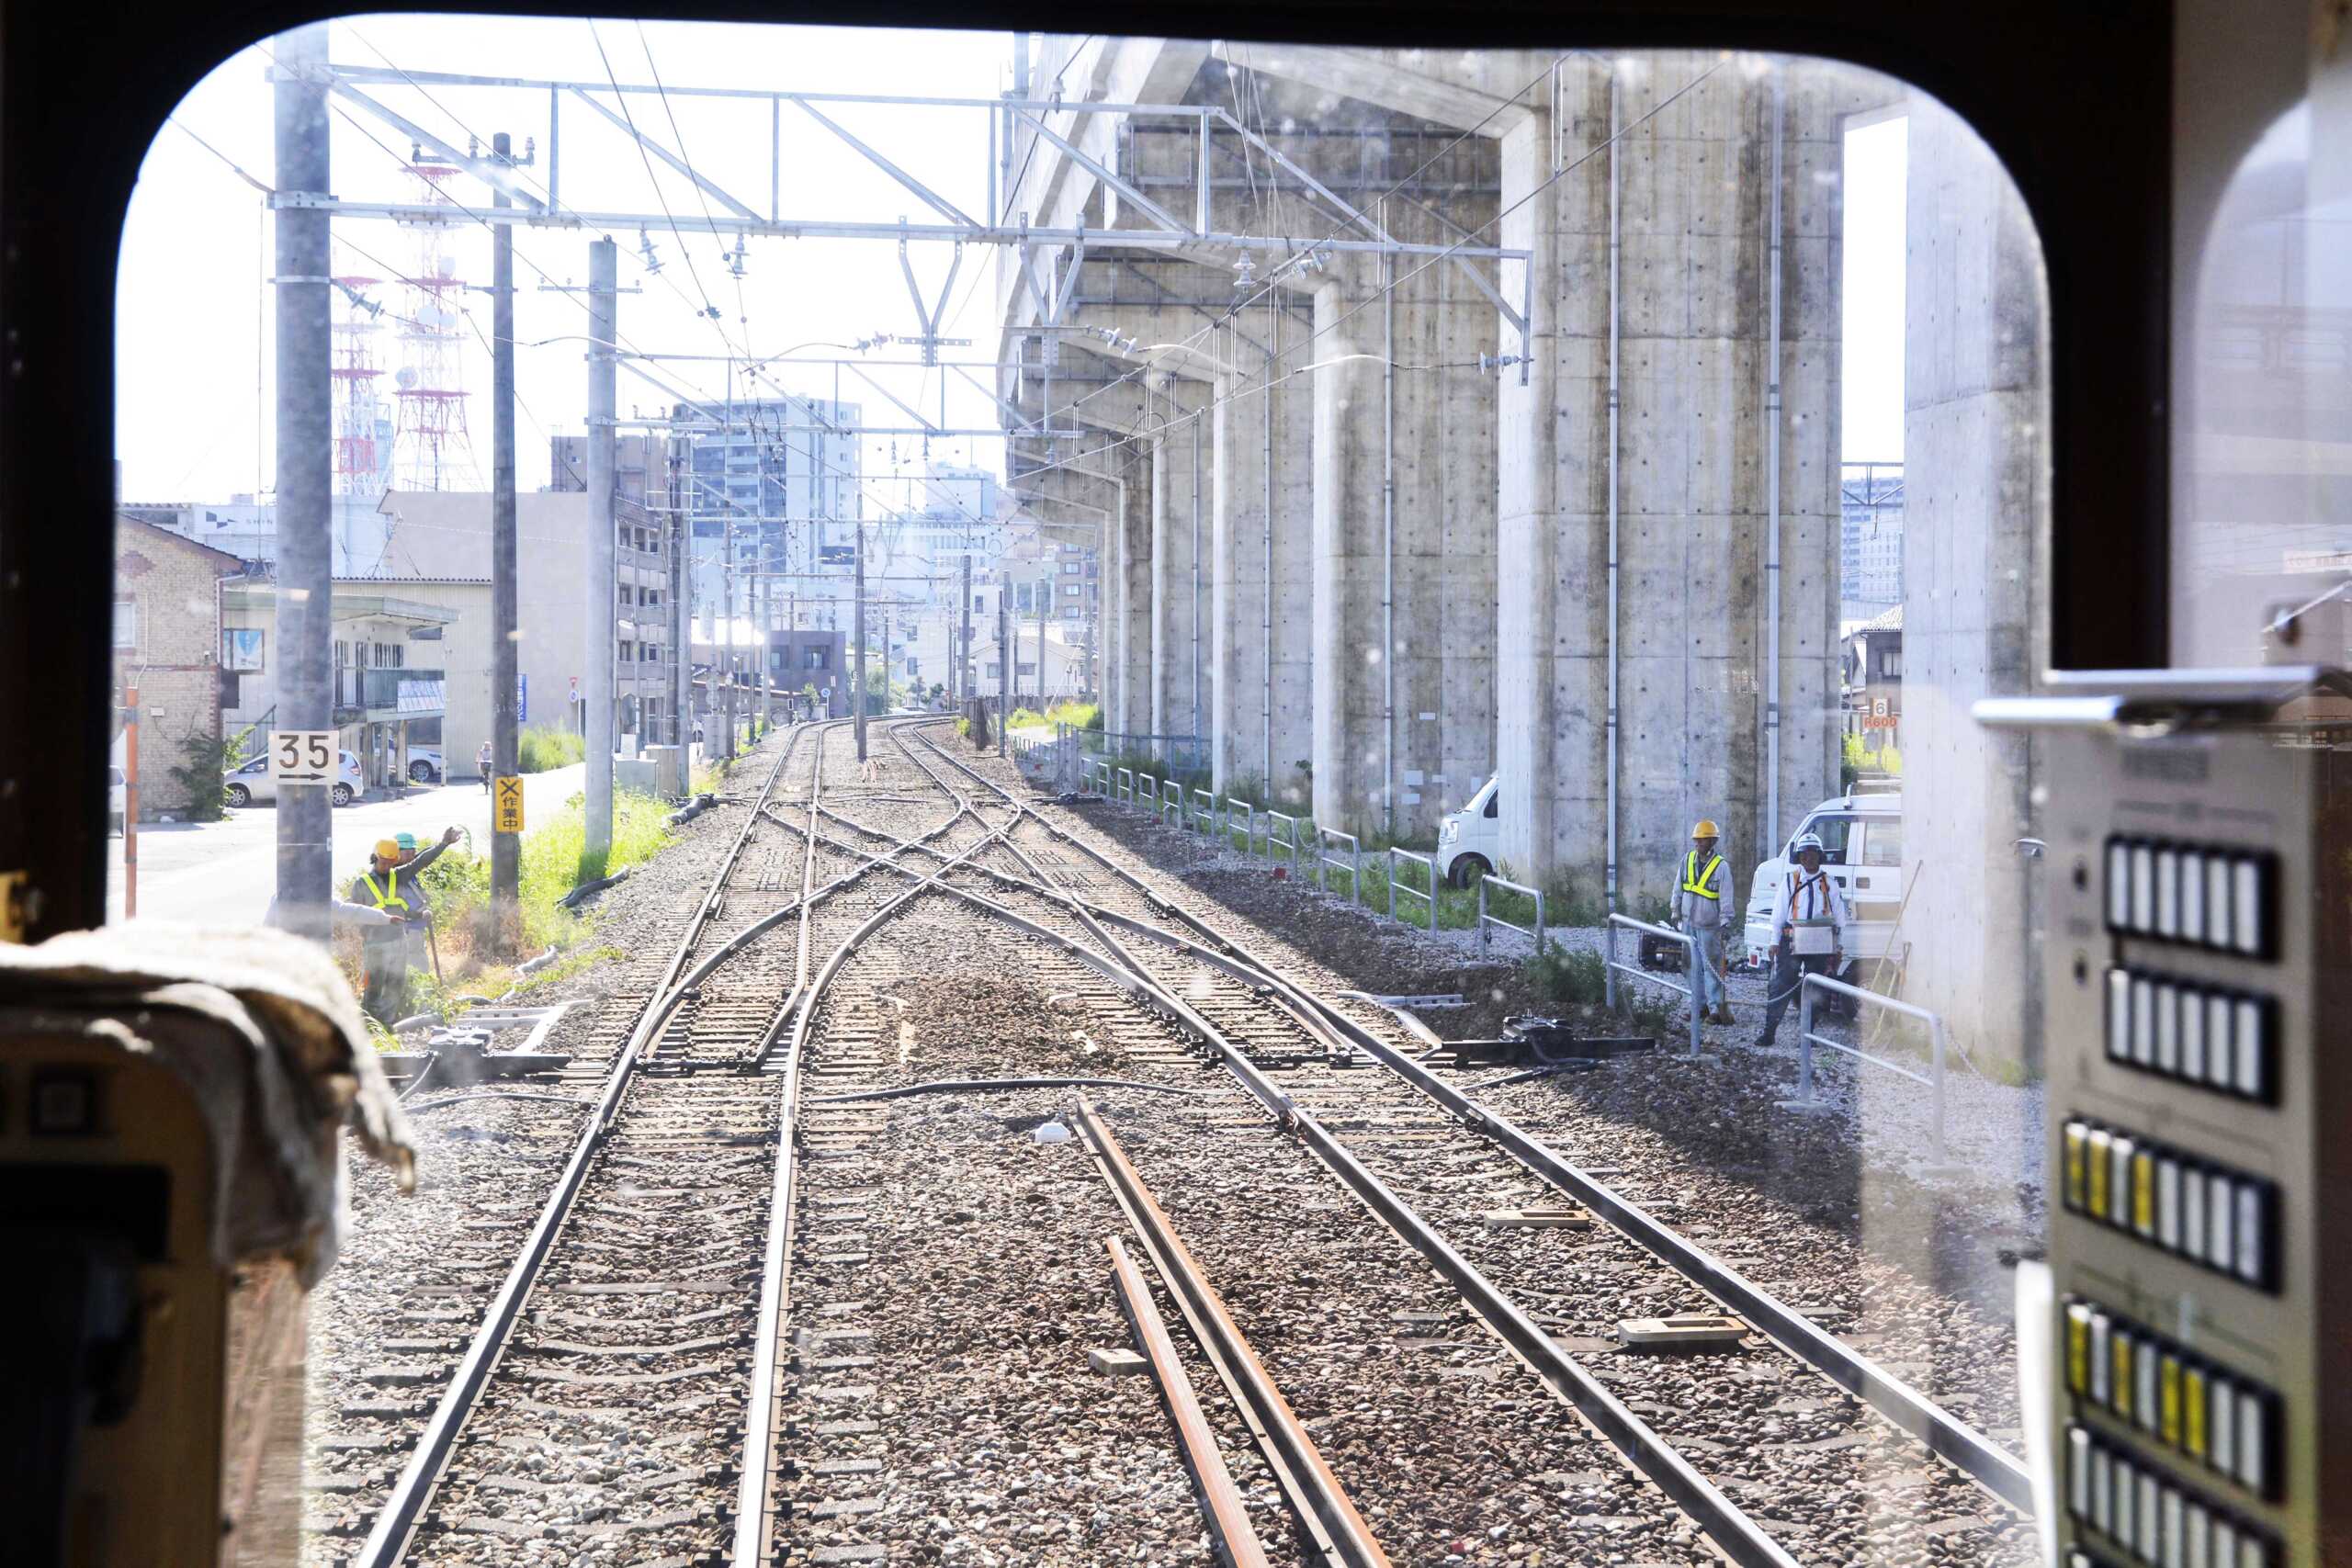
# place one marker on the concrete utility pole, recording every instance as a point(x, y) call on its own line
point(304, 615)
point(858, 625)
point(1006, 663)
point(603, 308)
point(722, 659)
point(963, 642)
point(682, 619)
point(505, 849)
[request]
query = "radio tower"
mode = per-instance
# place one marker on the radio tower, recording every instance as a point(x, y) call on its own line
point(362, 434)
point(430, 449)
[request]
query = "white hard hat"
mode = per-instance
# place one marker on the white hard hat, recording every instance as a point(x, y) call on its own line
point(1806, 842)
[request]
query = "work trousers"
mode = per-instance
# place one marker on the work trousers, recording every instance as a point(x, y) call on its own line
point(384, 961)
point(1787, 971)
point(1710, 942)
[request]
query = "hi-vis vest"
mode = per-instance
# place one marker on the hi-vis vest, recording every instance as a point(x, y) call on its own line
point(1696, 881)
point(387, 894)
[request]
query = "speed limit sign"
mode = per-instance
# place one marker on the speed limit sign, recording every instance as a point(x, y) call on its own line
point(302, 756)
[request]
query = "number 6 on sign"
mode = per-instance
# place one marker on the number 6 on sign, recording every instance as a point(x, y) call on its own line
point(507, 806)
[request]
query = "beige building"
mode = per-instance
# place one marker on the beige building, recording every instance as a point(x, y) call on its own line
point(439, 553)
point(390, 675)
point(168, 644)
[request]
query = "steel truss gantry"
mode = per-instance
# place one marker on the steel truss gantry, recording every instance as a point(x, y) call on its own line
point(1007, 117)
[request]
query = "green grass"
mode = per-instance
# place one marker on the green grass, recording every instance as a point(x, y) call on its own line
point(543, 748)
point(551, 866)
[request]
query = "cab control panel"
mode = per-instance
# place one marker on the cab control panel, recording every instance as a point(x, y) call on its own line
point(2196, 943)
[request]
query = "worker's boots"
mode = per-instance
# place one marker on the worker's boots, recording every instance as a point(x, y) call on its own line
point(1722, 1013)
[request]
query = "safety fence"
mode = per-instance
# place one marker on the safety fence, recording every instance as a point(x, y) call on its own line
point(1692, 959)
point(1331, 857)
point(1808, 1037)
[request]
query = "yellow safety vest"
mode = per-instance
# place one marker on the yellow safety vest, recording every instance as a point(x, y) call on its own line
point(387, 894)
point(1695, 881)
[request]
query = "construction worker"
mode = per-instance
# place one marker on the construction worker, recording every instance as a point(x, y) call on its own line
point(390, 886)
point(1703, 907)
point(1812, 935)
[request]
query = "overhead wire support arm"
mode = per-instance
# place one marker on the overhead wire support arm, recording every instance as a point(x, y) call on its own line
point(1150, 208)
point(923, 191)
point(679, 164)
point(490, 173)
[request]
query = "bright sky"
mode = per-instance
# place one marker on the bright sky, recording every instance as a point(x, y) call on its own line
point(194, 355)
point(1876, 161)
point(192, 374)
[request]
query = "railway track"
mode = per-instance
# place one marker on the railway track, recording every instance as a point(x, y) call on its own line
point(823, 1281)
point(1755, 1423)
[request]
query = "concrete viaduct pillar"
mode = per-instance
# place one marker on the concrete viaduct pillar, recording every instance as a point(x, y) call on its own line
point(1261, 602)
point(1674, 296)
point(1106, 487)
point(1976, 620)
point(1404, 554)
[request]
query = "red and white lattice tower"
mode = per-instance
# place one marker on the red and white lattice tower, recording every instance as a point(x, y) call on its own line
point(430, 447)
point(363, 428)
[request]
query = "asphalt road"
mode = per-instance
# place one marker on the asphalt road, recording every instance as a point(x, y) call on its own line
point(226, 871)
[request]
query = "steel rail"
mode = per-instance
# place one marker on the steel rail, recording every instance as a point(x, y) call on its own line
point(1733, 1531)
point(388, 1539)
point(1912, 1412)
point(1306, 1477)
point(752, 1505)
point(1221, 1504)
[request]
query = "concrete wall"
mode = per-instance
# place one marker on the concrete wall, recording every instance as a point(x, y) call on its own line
point(1183, 460)
point(1403, 583)
point(1693, 593)
point(1974, 609)
point(1262, 604)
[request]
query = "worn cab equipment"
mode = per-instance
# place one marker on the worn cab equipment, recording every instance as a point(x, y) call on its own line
point(2200, 907)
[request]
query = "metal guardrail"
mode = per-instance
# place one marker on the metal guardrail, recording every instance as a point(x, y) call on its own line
point(1486, 920)
point(1691, 961)
point(1933, 1079)
point(1427, 863)
point(1249, 825)
point(1204, 809)
point(1352, 865)
point(1289, 840)
point(1128, 775)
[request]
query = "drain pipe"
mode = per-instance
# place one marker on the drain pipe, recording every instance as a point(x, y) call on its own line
point(1266, 589)
point(1773, 498)
point(1613, 313)
point(1197, 418)
point(1389, 528)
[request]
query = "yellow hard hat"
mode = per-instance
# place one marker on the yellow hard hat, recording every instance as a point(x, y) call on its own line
point(387, 848)
point(1705, 828)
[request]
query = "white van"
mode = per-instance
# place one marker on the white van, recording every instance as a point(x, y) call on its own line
point(1469, 842)
point(1862, 848)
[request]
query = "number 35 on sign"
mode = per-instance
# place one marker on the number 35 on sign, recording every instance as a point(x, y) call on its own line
point(302, 756)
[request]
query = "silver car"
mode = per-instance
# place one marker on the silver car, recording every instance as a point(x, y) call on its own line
point(252, 782)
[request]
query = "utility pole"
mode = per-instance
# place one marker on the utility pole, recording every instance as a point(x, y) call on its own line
point(304, 615)
point(505, 849)
point(963, 675)
point(722, 663)
point(858, 631)
point(1006, 663)
point(131, 802)
point(603, 326)
point(682, 616)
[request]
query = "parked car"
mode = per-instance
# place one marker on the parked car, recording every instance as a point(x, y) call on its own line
point(252, 782)
point(1469, 842)
point(425, 764)
point(1861, 850)
point(117, 791)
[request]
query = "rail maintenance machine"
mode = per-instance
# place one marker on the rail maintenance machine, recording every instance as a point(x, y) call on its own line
point(2199, 834)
